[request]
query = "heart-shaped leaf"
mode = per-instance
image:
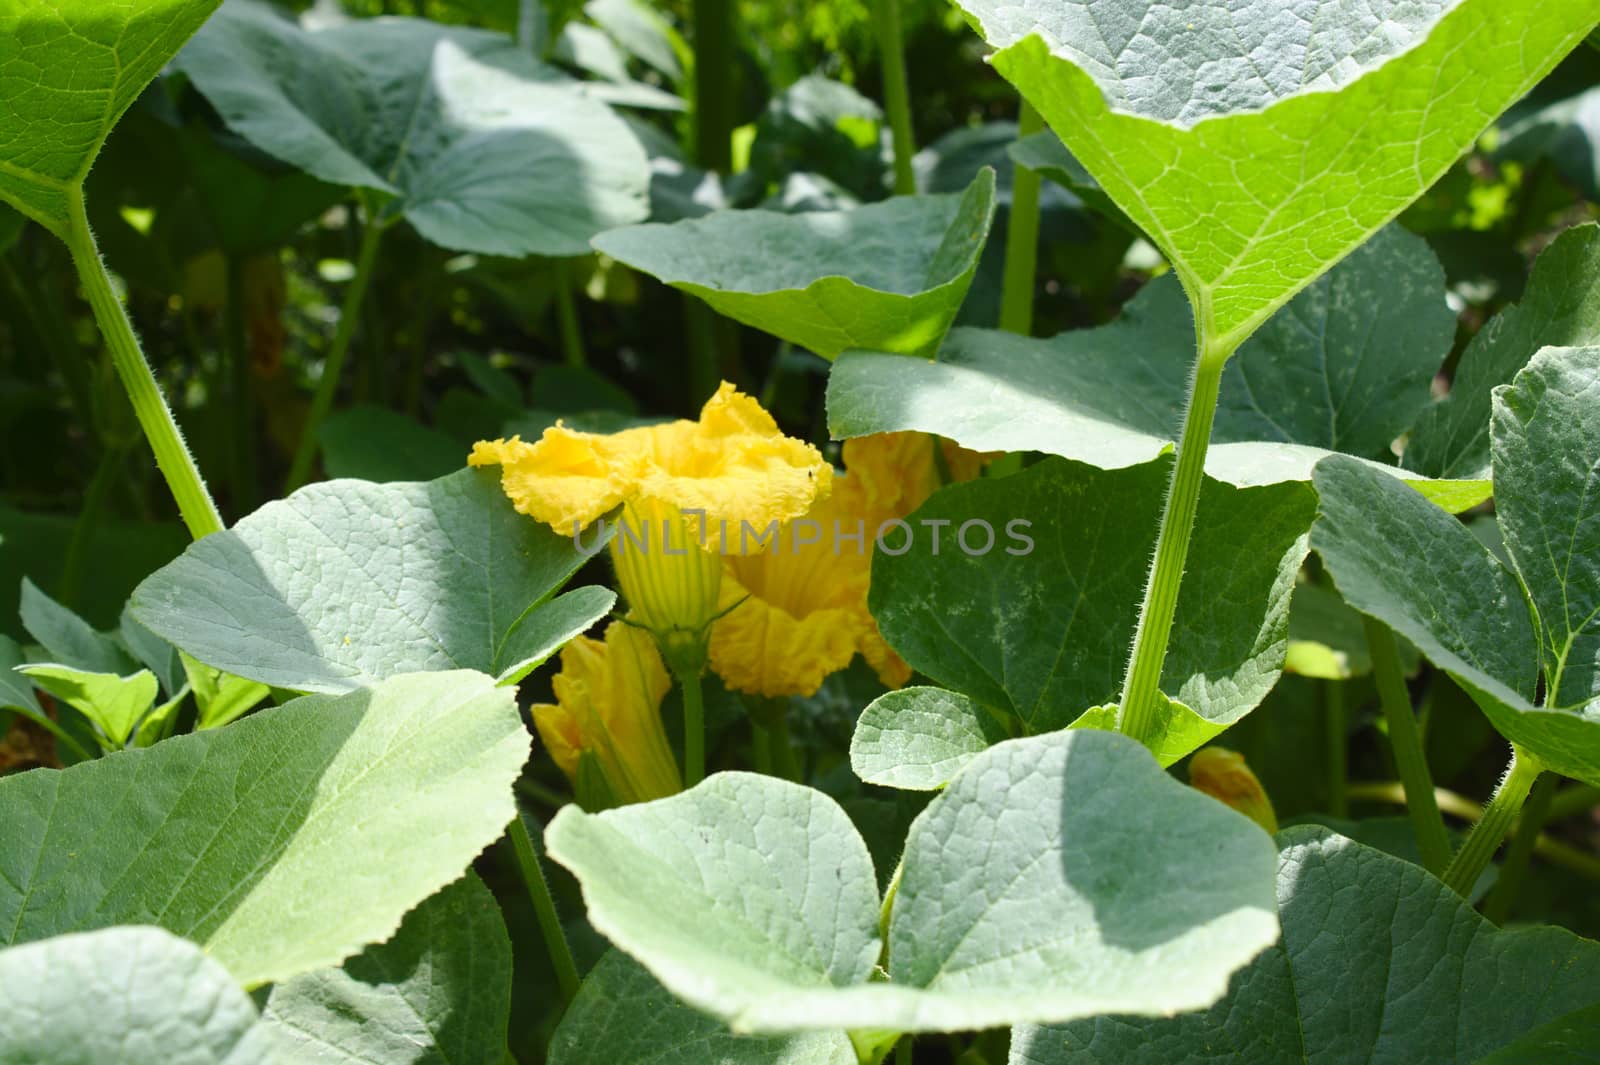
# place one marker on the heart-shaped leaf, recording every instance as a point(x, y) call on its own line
point(889, 276)
point(919, 738)
point(130, 995)
point(281, 844)
point(477, 145)
point(1379, 962)
point(68, 71)
point(622, 1014)
point(1019, 897)
point(345, 583)
point(439, 990)
point(1345, 367)
point(1257, 145)
point(1047, 613)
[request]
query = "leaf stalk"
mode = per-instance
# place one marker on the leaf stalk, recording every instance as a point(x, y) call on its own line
point(1405, 738)
point(896, 93)
point(1022, 238)
point(1498, 817)
point(544, 907)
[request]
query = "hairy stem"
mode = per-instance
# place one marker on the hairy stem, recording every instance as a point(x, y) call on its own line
point(155, 417)
point(896, 93)
point(1137, 714)
point(1410, 758)
point(544, 907)
point(1514, 870)
point(1498, 817)
point(1022, 238)
point(333, 367)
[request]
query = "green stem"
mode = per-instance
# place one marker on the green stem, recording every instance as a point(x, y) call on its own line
point(1137, 715)
point(333, 367)
point(761, 748)
point(694, 729)
point(705, 371)
point(902, 1052)
point(155, 417)
point(1498, 817)
point(785, 760)
point(94, 501)
point(533, 27)
point(1514, 869)
point(567, 317)
point(1022, 238)
point(245, 488)
point(713, 84)
point(896, 93)
point(1409, 757)
point(544, 907)
point(1338, 747)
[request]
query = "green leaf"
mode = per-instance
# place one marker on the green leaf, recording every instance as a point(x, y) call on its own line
point(116, 705)
point(373, 444)
point(1044, 152)
point(69, 71)
point(220, 697)
point(1178, 730)
point(622, 1014)
point(1345, 367)
point(438, 991)
point(1379, 962)
point(154, 653)
point(67, 638)
point(1043, 631)
point(346, 582)
point(480, 147)
point(919, 738)
point(281, 844)
point(1561, 307)
point(889, 276)
point(1546, 434)
point(15, 692)
point(1405, 562)
point(1570, 1040)
point(1259, 145)
point(133, 996)
point(753, 898)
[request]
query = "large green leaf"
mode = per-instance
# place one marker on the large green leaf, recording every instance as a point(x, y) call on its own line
point(1020, 896)
point(1259, 144)
point(1379, 962)
point(1561, 307)
point(1344, 367)
point(130, 995)
point(1570, 1040)
point(1546, 446)
point(1043, 632)
point(889, 276)
point(480, 147)
point(68, 71)
point(282, 843)
point(622, 1014)
point(347, 582)
point(437, 992)
point(1402, 560)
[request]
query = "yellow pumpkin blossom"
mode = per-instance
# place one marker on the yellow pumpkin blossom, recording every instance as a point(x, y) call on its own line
point(607, 713)
point(1225, 776)
point(797, 612)
point(688, 491)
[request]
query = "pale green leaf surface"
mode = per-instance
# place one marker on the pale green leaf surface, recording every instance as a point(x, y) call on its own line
point(1044, 633)
point(482, 148)
point(114, 704)
point(129, 996)
point(1420, 571)
point(436, 993)
point(68, 71)
point(16, 692)
point(753, 899)
point(1561, 307)
point(283, 843)
point(888, 276)
point(919, 738)
point(1346, 366)
point(622, 1014)
point(347, 582)
point(1546, 435)
point(1176, 733)
point(1258, 145)
point(1379, 962)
